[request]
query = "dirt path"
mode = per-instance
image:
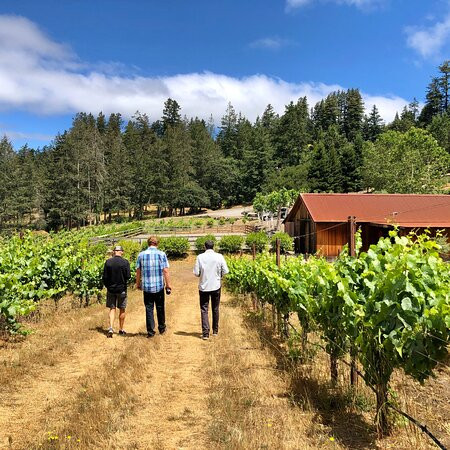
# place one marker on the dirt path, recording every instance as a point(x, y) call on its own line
point(172, 387)
point(169, 391)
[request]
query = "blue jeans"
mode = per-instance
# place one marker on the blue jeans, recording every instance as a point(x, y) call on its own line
point(150, 300)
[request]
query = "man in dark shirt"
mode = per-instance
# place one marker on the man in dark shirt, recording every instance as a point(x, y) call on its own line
point(116, 274)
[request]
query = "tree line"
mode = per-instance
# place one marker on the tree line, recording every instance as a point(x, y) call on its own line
point(102, 165)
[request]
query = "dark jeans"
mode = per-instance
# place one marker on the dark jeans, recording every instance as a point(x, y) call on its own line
point(151, 299)
point(204, 304)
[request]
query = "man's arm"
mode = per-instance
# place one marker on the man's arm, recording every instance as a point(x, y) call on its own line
point(105, 276)
point(128, 271)
point(166, 277)
point(138, 278)
point(224, 268)
point(197, 267)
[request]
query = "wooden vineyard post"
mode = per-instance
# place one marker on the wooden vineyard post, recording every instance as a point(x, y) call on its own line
point(352, 252)
point(255, 300)
point(275, 312)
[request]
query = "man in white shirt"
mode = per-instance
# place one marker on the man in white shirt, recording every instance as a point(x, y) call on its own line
point(210, 267)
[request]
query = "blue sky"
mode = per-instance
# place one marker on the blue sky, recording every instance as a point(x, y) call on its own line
point(61, 57)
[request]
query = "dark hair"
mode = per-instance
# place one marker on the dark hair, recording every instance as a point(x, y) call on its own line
point(209, 244)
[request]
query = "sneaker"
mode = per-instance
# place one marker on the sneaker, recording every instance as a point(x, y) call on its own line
point(122, 332)
point(215, 333)
point(205, 337)
point(110, 332)
point(150, 335)
point(163, 331)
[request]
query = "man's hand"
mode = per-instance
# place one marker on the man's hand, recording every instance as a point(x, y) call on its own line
point(138, 279)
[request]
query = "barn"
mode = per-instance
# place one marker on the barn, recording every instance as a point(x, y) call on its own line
point(320, 222)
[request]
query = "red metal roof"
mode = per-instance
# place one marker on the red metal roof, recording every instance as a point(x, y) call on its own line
point(409, 210)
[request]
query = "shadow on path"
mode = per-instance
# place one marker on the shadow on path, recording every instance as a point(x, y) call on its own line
point(104, 331)
point(185, 333)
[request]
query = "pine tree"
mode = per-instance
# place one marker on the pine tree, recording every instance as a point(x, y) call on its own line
point(62, 200)
point(101, 123)
point(373, 125)
point(293, 134)
point(177, 151)
point(24, 187)
point(353, 114)
point(206, 159)
point(334, 143)
point(433, 102)
point(117, 185)
point(228, 134)
point(444, 68)
point(269, 119)
point(6, 180)
point(319, 171)
point(171, 114)
point(440, 129)
point(257, 161)
point(149, 170)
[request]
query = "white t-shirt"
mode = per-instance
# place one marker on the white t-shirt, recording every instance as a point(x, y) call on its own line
point(210, 267)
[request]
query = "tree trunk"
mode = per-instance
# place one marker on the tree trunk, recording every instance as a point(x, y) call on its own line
point(353, 373)
point(278, 219)
point(333, 369)
point(304, 340)
point(382, 417)
point(286, 326)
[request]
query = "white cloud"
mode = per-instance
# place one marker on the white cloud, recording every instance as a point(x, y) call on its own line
point(429, 41)
point(361, 4)
point(43, 77)
point(12, 135)
point(271, 43)
point(290, 4)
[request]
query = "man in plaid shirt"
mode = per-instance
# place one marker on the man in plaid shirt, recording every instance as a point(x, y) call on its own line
point(152, 271)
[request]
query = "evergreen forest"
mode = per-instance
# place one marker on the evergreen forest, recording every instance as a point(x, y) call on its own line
point(103, 166)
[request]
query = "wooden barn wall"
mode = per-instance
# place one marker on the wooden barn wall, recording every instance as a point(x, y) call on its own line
point(330, 241)
point(289, 228)
point(311, 237)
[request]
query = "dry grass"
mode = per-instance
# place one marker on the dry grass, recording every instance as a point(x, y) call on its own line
point(251, 403)
point(54, 337)
point(105, 398)
point(342, 413)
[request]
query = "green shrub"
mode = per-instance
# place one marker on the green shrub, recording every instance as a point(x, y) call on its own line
point(174, 245)
point(200, 241)
point(222, 221)
point(286, 242)
point(231, 220)
point(198, 223)
point(259, 238)
point(210, 223)
point(231, 244)
point(131, 250)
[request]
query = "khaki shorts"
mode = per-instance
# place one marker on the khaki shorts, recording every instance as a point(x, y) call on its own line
point(116, 300)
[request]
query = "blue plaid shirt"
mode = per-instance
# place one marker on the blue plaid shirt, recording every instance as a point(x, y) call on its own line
point(152, 262)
